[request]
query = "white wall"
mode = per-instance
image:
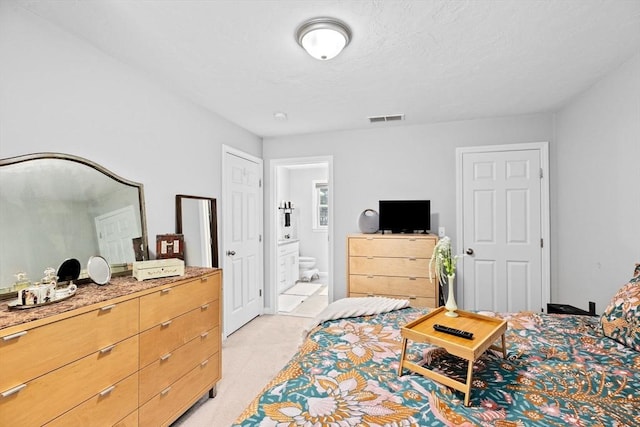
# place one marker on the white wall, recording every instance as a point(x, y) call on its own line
point(60, 94)
point(387, 162)
point(597, 192)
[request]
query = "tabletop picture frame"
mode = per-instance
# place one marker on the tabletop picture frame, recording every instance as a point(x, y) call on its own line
point(170, 246)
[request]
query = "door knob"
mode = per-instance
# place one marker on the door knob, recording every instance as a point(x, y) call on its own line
point(231, 253)
point(469, 251)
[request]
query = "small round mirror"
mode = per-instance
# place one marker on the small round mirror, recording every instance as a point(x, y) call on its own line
point(99, 270)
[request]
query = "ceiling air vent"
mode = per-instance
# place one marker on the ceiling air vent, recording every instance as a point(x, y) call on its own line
point(388, 118)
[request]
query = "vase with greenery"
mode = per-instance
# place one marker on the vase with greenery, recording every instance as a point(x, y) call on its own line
point(443, 262)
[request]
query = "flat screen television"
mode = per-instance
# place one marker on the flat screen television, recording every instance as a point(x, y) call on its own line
point(405, 216)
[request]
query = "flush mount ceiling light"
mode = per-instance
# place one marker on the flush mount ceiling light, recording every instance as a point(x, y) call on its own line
point(323, 38)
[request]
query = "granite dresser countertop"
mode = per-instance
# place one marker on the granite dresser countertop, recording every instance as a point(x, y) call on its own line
point(90, 293)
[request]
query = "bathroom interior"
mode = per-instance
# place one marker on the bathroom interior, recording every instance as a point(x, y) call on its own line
point(303, 247)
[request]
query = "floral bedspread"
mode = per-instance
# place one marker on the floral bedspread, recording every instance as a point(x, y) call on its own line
point(560, 371)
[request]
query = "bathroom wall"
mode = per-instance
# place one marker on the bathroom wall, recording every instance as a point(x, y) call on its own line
point(283, 194)
point(312, 242)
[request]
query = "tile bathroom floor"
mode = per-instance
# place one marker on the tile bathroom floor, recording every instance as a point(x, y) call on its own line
point(311, 305)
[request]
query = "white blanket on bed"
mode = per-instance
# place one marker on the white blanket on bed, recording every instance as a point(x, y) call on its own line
point(354, 307)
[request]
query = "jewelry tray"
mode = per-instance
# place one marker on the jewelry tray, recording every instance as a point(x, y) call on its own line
point(15, 304)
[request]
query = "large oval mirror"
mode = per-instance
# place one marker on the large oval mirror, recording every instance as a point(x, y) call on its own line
point(196, 220)
point(57, 206)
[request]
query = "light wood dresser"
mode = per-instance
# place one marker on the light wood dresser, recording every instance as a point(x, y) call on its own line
point(140, 357)
point(392, 265)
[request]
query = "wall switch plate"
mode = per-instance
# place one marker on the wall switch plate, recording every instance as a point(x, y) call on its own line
point(441, 232)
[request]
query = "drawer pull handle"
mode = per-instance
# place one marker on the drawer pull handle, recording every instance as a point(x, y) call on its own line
point(370, 295)
point(203, 364)
point(165, 357)
point(165, 391)
point(412, 258)
point(369, 257)
point(412, 239)
point(107, 390)
point(13, 390)
point(204, 279)
point(165, 291)
point(107, 349)
point(369, 277)
point(413, 297)
point(412, 278)
point(165, 324)
point(14, 336)
point(204, 307)
point(204, 335)
point(107, 307)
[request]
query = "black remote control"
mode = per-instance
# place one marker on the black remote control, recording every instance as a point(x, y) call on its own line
point(453, 331)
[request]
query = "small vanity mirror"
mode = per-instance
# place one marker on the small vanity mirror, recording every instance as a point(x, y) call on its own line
point(196, 220)
point(99, 270)
point(57, 206)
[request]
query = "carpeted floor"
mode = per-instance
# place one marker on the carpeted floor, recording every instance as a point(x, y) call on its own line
point(251, 356)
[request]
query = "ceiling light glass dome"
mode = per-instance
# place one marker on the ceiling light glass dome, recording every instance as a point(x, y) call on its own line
point(323, 38)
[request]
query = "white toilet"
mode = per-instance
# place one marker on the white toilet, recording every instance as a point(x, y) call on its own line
point(307, 272)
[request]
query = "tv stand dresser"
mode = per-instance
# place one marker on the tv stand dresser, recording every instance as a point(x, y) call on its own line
point(392, 265)
point(128, 353)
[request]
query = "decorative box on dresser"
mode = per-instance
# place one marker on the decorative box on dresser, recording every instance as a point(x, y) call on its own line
point(129, 353)
point(392, 265)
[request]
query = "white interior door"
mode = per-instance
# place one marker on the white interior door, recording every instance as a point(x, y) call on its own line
point(243, 277)
point(115, 233)
point(503, 228)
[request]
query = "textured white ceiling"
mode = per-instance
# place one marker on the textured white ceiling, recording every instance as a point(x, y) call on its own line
point(431, 60)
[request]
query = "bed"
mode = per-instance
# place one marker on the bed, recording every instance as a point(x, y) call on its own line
point(561, 370)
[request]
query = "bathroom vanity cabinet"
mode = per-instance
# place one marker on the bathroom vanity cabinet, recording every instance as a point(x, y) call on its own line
point(129, 353)
point(392, 265)
point(288, 264)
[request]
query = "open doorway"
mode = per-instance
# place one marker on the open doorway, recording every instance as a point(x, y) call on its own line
point(301, 210)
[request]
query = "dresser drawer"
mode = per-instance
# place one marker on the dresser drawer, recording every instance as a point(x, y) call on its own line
point(170, 367)
point(407, 267)
point(417, 247)
point(130, 420)
point(106, 408)
point(410, 287)
point(164, 407)
point(31, 353)
point(413, 301)
point(163, 338)
point(72, 384)
point(172, 301)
